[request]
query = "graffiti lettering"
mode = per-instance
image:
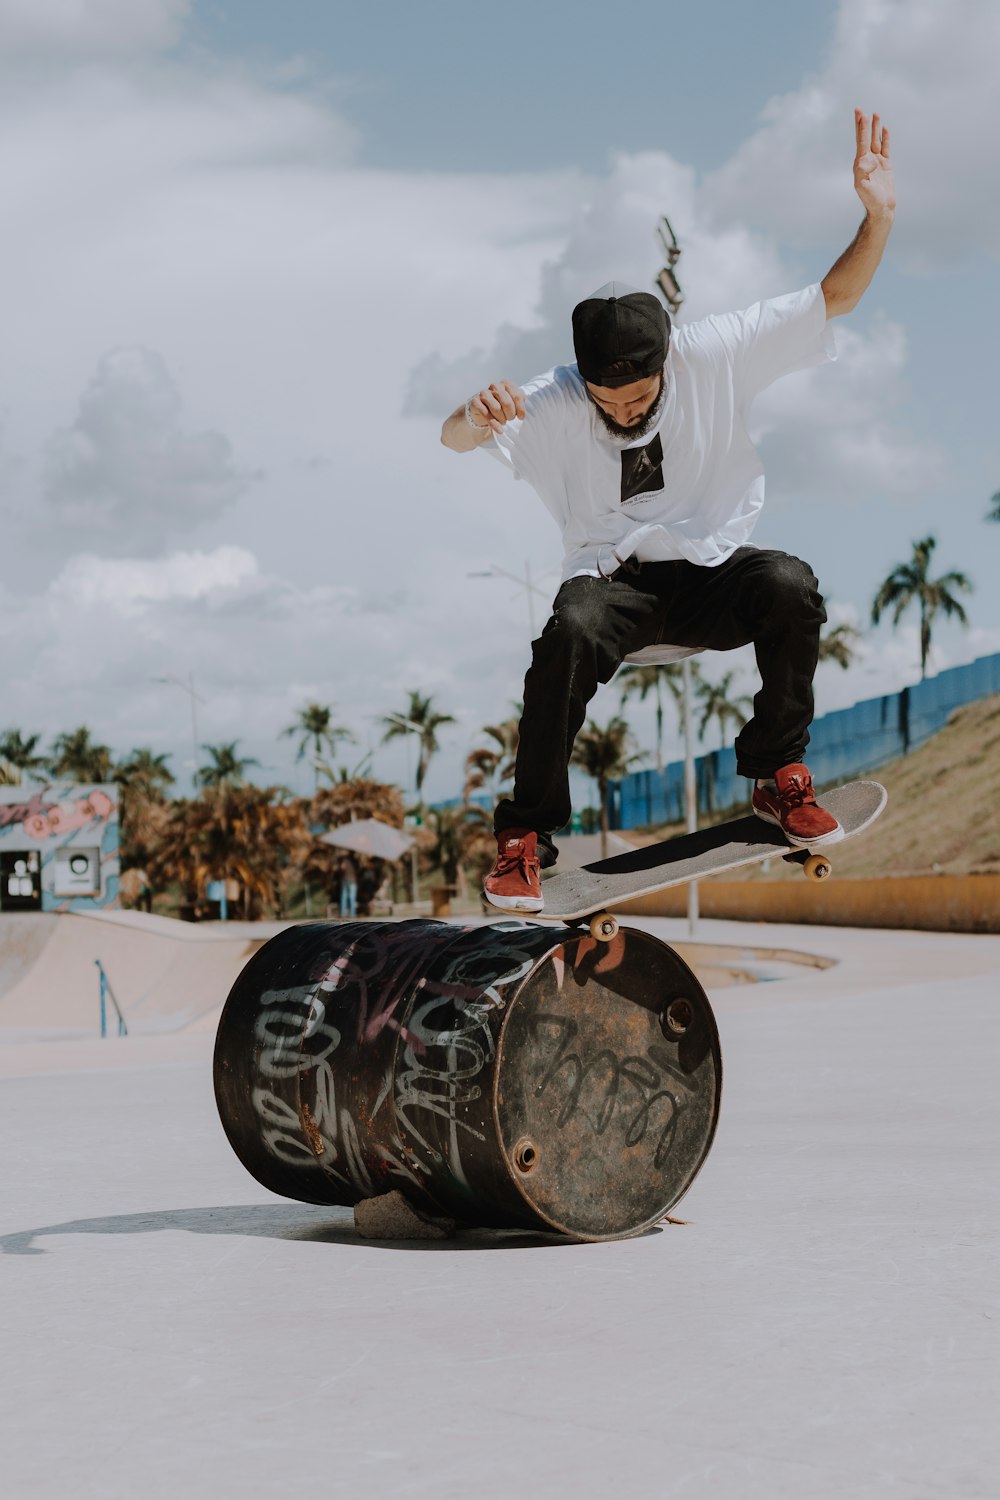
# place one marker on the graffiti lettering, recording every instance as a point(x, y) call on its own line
point(445, 1039)
point(437, 1077)
point(610, 1083)
point(293, 1044)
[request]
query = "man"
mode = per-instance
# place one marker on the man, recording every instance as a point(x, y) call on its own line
point(640, 451)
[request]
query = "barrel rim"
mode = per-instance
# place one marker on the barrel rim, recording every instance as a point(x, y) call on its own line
point(716, 1047)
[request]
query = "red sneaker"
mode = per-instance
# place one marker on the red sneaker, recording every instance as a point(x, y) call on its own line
point(791, 804)
point(513, 883)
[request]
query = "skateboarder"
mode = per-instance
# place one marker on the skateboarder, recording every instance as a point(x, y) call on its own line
point(640, 451)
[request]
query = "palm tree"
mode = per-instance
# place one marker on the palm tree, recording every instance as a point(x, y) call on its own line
point(17, 751)
point(74, 755)
point(420, 719)
point(839, 644)
point(910, 582)
point(145, 773)
point(717, 704)
point(459, 832)
point(993, 514)
point(314, 726)
point(355, 799)
point(605, 754)
point(653, 677)
point(142, 779)
point(490, 763)
point(336, 774)
point(227, 768)
point(255, 835)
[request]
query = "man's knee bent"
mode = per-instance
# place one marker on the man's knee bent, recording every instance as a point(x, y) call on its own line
point(581, 611)
point(579, 627)
point(790, 584)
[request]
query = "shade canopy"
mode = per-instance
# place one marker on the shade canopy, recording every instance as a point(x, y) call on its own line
point(369, 836)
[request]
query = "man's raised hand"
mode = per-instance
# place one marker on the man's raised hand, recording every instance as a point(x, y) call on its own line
point(873, 179)
point(850, 276)
point(497, 405)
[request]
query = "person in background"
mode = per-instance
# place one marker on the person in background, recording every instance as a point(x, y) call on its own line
point(348, 886)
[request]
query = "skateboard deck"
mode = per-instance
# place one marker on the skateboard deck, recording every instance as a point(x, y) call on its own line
point(578, 894)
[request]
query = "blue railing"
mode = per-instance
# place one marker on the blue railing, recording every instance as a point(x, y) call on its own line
point(107, 993)
point(847, 743)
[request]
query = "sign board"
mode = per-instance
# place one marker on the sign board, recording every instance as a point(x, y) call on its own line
point(216, 889)
point(66, 836)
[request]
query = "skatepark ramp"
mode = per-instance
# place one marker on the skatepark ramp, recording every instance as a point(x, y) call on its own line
point(167, 975)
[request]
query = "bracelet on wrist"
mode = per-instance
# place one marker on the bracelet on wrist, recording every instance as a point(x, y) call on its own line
point(468, 417)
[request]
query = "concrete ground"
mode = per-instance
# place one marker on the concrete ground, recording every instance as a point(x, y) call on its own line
point(823, 1324)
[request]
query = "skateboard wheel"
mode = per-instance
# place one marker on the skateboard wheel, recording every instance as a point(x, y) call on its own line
point(817, 867)
point(603, 927)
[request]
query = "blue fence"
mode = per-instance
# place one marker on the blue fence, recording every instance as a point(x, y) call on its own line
point(842, 744)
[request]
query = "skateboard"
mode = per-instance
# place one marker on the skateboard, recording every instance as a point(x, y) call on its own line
point(582, 896)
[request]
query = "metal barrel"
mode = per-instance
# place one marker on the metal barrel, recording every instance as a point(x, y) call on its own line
point(509, 1075)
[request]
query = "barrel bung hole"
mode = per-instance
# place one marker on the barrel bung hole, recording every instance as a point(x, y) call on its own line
point(678, 1016)
point(526, 1155)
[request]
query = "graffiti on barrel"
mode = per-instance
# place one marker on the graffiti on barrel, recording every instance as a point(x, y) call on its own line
point(613, 1079)
point(443, 1023)
point(507, 1075)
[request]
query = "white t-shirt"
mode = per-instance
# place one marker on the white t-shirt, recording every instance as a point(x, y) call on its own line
point(693, 486)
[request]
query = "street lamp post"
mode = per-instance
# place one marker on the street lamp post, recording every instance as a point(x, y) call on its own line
point(188, 687)
point(666, 280)
point(670, 290)
point(418, 730)
point(526, 583)
point(690, 789)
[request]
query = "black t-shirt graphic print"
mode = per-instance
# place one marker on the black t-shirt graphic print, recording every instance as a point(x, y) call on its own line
point(642, 470)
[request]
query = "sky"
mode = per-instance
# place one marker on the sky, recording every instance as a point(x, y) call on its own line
point(256, 252)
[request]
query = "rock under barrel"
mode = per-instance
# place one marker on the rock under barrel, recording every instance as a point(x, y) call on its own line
point(510, 1075)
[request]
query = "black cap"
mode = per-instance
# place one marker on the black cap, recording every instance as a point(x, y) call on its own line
point(620, 335)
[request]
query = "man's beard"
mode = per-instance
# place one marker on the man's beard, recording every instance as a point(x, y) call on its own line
point(638, 429)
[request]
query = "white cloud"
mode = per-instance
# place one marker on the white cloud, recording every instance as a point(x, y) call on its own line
point(127, 466)
point(126, 584)
point(107, 632)
point(219, 218)
point(11, 465)
point(825, 434)
point(86, 27)
point(835, 434)
point(930, 69)
point(611, 236)
point(212, 218)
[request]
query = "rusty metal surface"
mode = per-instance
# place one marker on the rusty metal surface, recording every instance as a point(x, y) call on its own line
point(608, 1084)
point(692, 856)
point(354, 1059)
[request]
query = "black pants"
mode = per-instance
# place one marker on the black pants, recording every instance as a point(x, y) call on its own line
point(768, 598)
